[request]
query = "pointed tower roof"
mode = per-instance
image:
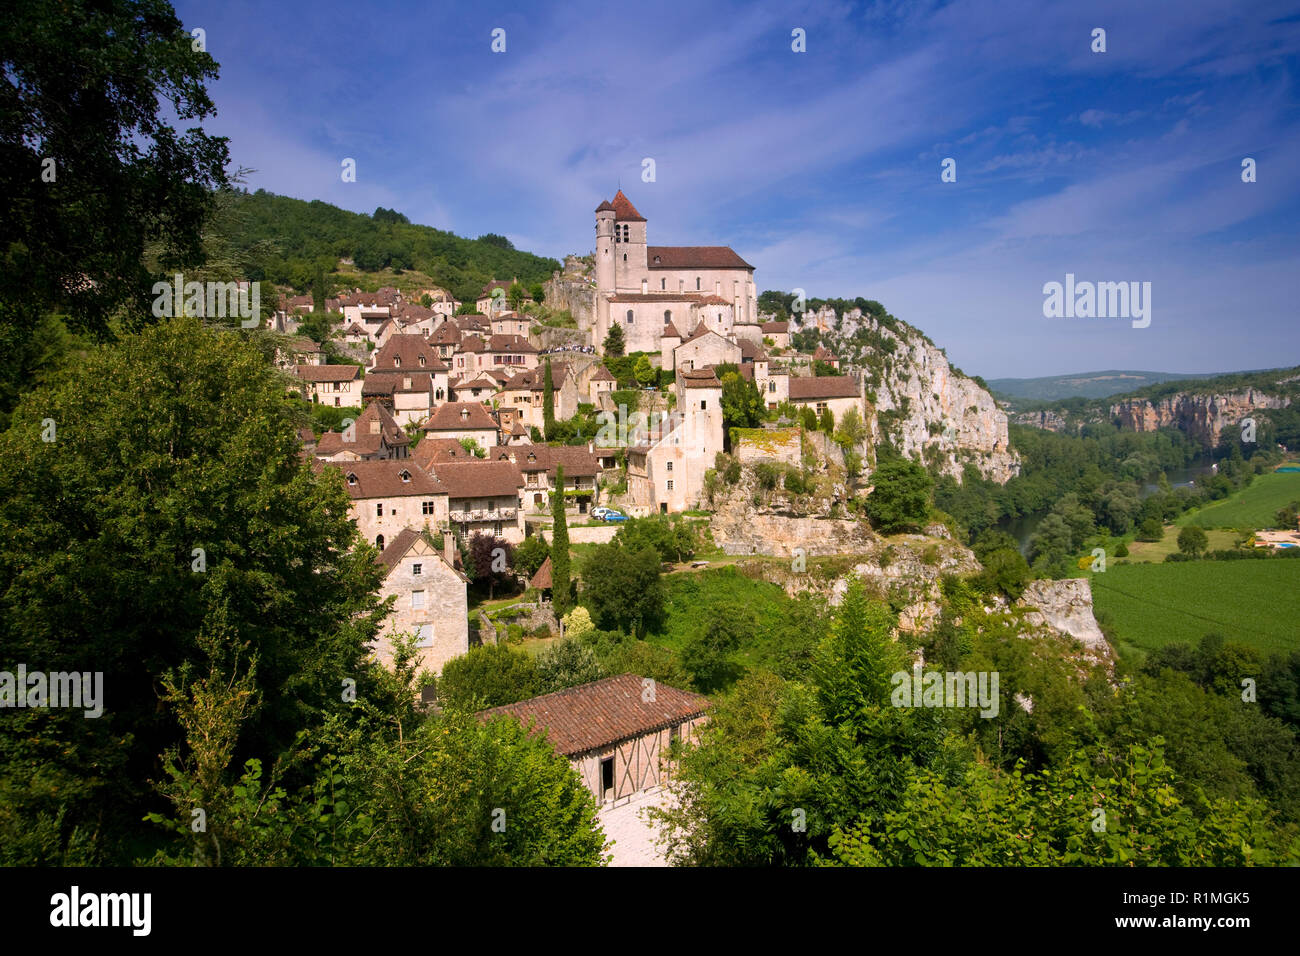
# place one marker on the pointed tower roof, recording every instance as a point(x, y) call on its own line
point(605, 205)
point(623, 209)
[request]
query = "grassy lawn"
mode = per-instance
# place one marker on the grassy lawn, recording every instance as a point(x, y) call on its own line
point(1150, 605)
point(1148, 551)
point(1253, 507)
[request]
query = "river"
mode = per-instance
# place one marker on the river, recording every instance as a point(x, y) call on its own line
point(1023, 528)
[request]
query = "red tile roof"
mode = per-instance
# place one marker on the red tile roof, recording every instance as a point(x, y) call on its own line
point(542, 579)
point(700, 378)
point(383, 479)
point(431, 451)
point(400, 545)
point(366, 439)
point(694, 257)
point(478, 478)
point(604, 712)
point(776, 328)
point(825, 386)
point(327, 373)
point(448, 417)
point(510, 343)
point(408, 353)
point(623, 209)
point(578, 462)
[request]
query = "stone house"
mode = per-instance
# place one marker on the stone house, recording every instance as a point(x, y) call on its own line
point(526, 392)
point(429, 599)
point(388, 496)
point(298, 350)
point(463, 420)
point(337, 385)
point(538, 463)
point(408, 395)
point(374, 436)
point(485, 300)
point(483, 497)
point(511, 323)
point(839, 393)
point(778, 332)
point(666, 466)
point(616, 732)
point(703, 349)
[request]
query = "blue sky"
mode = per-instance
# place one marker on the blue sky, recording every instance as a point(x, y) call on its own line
point(822, 168)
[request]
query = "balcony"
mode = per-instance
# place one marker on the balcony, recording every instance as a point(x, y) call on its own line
point(483, 514)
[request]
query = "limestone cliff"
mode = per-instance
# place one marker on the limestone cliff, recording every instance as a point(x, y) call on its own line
point(574, 291)
point(1200, 416)
point(928, 409)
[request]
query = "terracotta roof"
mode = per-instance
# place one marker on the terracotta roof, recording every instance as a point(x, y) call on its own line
point(577, 461)
point(694, 257)
point(448, 417)
point(592, 716)
point(825, 386)
point(602, 374)
point(670, 331)
point(470, 343)
point(510, 343)
point(822, 354)
point(366, 439)
point(700, 378)
point(535, 378)
point(432, 451)
point(623, 208)
point(446, 334)
point(327, 373)
point(776, 327)
point(383, 479)
point(714, 300)
point(388, 381)
point(606, 204)
point(751, 351)
point(495, 284)
point(408, 353)
point(479, 478)
point(542, 579)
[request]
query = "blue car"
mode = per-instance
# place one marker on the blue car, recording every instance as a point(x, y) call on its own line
point(613, 516)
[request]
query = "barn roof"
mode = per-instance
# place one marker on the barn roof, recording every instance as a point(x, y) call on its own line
point(592, 716)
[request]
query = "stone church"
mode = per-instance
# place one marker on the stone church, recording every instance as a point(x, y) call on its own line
point(665, 292)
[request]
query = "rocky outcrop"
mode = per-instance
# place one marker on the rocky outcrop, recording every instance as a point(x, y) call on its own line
point(1047, 420)
point(1066, 607)
point(750, 531)
point(926, 408)
point(1200, 416)
point(577, 293)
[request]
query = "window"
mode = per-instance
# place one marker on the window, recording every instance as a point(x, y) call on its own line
point(625, 257)
point(606, 777)
point(417, 600)
point(629, 316)
point(674, 734)
point(697, 283)
point(379, 510)
point(668, 316)
point(670, 484)
point(663, 283)
point(771, 386)
point(424, 636)
point(417, 568)
point(379, 542)
point(397, 361)
point(670, 466)
point(426, 507)
point(703, 405)
point(405, 476)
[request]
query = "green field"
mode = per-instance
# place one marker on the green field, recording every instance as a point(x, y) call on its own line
point(1150, 605)
point(1254, 507)
point(1155, 551)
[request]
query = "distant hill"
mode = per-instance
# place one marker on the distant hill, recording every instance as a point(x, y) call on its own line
point(291, 241)
point(1051, 388)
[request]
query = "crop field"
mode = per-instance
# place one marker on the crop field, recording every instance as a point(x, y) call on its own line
point(1254, 507)
point(1150, 605)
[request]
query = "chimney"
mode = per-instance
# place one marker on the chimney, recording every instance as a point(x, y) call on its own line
point(449, 546)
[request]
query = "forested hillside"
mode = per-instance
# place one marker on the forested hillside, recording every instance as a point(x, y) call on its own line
point(291, 241)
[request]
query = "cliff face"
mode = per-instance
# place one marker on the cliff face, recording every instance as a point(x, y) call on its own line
point(1201, 416)
point(1047, 419)
point(929, 410)
point(574, 292)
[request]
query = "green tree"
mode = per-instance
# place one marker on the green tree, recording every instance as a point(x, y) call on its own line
point(826, 421)
point(516, 295)
point(614, 341)
point(900, 500)
point(742, 404)
point(622, 588)
point(1193, 540)
point(548, 401)
point(567, 663)
point(172, 503)
point(95, 172)
point(561, 589)
point(488, 676)
point(708, 653)
point(531, 555)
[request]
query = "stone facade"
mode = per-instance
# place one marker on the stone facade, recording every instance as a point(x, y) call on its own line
point(429, 600)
